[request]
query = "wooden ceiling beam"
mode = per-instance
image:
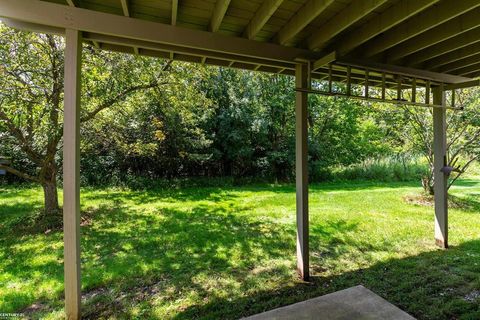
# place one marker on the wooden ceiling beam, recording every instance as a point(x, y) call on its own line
point(459, 64)
point(344, 19)
point(468, 69)
point(51, 14)
point(474, 75)
point(301, 19)
point(445, 31)
point(449, 45)
point(424, 21)
point(263, 14)
point(462, 53)
point(174, 12)
point(323, 61)
point(106, 39)
point(126, 13)
point(219, 11)
point(388, 19)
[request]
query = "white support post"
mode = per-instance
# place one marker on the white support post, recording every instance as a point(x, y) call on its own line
point(71, 174)
point(301, 171)
point(440, 160)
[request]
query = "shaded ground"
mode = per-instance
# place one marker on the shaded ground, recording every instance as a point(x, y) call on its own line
point(228, 252)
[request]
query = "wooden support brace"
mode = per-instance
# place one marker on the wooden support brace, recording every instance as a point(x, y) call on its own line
point(383, 85)
point(349, 80)
point(301, 171)
point(414, 90)
point(439, 161)
point(366, 84)
point(71, 173)
point(427, 92)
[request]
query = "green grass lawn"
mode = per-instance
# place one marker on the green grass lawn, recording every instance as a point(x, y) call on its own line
point(227, 252)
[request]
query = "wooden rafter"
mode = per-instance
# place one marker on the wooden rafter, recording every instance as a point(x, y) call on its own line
point(468, 69)
point(422, 22)
point(219, 11)
point(344, 19)
point(126, 12)
point(395, 15)
point(452, 44)
point(301, 19)
point(174, 12)
point(266, 10)
point(458, 54)
point(456, 65)
point(445, 31)
point(45, 13)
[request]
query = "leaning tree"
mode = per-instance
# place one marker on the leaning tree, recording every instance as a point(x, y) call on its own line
point(31, 100)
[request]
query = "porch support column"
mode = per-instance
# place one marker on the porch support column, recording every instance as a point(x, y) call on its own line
point(440, 160)
point(71, 174)
point(301, 171)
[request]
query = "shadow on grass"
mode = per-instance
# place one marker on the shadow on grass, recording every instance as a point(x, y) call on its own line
point(219, 194)
point(433, 285)
point(226, 258)
point(185, 250)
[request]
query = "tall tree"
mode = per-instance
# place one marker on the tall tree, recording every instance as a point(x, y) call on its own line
point(31, 99)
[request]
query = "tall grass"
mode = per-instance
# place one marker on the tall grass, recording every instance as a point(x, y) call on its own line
point(385, 169)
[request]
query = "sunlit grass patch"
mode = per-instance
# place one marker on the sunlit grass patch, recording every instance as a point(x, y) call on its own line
point(226, 252)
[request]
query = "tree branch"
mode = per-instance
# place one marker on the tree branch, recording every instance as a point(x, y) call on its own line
point(119, 97)
point(19, 173)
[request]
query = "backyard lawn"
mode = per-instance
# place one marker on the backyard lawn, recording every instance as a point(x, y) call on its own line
point(227, 252)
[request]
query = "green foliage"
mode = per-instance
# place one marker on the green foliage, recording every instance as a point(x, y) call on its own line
point(385, 169)
point(227, 252)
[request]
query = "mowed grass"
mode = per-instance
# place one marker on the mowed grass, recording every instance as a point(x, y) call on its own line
point(228, 252)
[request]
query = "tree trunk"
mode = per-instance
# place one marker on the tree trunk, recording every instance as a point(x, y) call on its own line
point(51, 198)
point(52, 215)
point(427, 183)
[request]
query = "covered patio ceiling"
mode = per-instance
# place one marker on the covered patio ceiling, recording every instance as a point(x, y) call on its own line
point(437, 40)
point(390, 44)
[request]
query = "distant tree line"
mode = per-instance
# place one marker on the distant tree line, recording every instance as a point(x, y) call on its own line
point(146, 118)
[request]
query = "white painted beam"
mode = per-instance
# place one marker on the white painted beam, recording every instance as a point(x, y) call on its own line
point(219, 11)
point(266, 10)
point(45, 13)
point(422, 22)
point(301, 172)
point(344, 19)
point(391, 17)
point(301, 19)
point(174, 12)
point(71, 173)
point(440, 159)
point(445, 31)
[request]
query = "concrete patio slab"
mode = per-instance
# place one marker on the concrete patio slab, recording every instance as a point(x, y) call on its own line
point(356, 303)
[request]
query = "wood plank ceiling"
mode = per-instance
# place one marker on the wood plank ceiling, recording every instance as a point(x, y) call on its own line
point(433, 35)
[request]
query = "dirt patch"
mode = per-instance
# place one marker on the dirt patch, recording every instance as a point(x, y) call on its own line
point(419, 200)
point(428, 201)
point(34, 308)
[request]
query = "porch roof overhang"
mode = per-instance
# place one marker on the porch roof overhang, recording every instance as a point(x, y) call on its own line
point(429, 40)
